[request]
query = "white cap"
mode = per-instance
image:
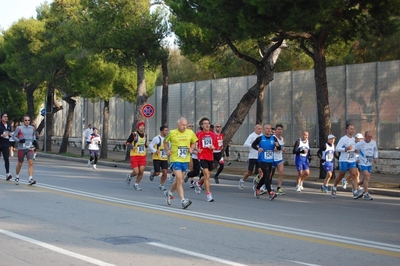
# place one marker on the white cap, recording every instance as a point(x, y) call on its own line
point(331, 136)
point(359, 136)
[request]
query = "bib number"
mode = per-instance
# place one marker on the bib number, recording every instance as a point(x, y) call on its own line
point(268, 155)
point(140, 149)
point(207, 142)
point(163, 154)
point(183, 152)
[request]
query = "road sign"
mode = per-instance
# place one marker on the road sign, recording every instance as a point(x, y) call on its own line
point(148, 110)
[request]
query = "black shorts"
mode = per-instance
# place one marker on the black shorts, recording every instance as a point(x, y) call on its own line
point(159, 165)
point(12, 144)
point(204, 164)
point(251, 164)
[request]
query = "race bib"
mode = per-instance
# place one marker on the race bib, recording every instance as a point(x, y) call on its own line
point(140, 149)
point(207, 141)
point(369, 159)
point(351, 156)
point(163, 153)
point(329, 157)
point(27, 145)
point(183, 152)
point(268, 155)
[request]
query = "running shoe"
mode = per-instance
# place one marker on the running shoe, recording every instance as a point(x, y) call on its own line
point(256, 180)
point(358, 194)
point(169, 196)
point(333, 192)
point(263, 190)
point(344, 183)
point(280, 192)
point(128, 179)
point(186, 177)
point(324, 189)
point(191, 184)
point(367, 196)
point(161, 187)
point(241, 184)
point(210, 198)
point(197, 187)
point(256, 191)
point(151, 175)
point(32, 182)
point(228, 163)
point(301, 186)
point(297, 189)
point(216, 179)
point(136, 187)
point(16, 181)
point(186, 203)
point(94, 167)
point(8, 177)
point(272, 195)
point(89, 163)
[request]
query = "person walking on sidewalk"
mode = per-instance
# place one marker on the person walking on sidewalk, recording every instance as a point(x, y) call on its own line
point(347, 162)
point(182, 143)
point(94, 142)
point(265, 146)
point(368, 154)
point(25, 135)
point(327, 155)
point(207, 143)
point(137, 143)
point(253, 155)
point(302, 153)
point(160, 157)
point(5, 132)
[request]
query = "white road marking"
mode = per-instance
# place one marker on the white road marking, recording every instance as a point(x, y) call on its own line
point(56, 249)
point(195, 254)
point(303, 263)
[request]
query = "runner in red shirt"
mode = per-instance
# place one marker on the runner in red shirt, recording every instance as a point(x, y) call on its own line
point(207, 142)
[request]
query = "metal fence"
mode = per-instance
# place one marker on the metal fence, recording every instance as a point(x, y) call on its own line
point(367, 95)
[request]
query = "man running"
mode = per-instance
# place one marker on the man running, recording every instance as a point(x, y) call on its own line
point(160, 158)
point(5, 134)
point(327, 155)
point(302, 159)
point(278, 159)
point(182, 141)
point(218, 156)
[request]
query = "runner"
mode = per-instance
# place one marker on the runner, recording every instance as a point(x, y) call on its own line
point(327, 155)
point(94, 142)
point(182, 142)
point(218, 157)
point(160, 158)
point(278, 159)
point(302, 159)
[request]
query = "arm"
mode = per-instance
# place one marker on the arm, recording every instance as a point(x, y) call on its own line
point(255, 143)
point(248, 142)
point(296, 147)
point(320, 151)
point(153, 142)
point(277, 145)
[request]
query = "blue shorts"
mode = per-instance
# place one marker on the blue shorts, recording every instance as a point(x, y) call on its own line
point(177, 166)
point(328, 166)
point(302, 165)
point(344, 166)
point(275, 163)
point(365, 168)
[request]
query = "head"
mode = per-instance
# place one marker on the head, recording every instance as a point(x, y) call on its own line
point(331, 139)
point(141, 126)
point(26, 120)
point(278, 129)
point(90, 126)
point(4, 117)
point(205, 124)
point(258, 129)
point(218, 127)
point(359, 137)
point(190, 126)
point(267, 130)
point(368, 136)
point(95, 130)
point(350, 130)
point(273, 131)
point(304, 135)
point(164, 131)
point(182, 124)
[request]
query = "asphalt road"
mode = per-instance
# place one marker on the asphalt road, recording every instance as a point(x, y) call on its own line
point(75, 215)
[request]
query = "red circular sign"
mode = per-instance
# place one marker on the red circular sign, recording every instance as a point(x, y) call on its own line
point(148, 110)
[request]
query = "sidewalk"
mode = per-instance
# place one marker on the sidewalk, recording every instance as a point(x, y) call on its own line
point(382, 184)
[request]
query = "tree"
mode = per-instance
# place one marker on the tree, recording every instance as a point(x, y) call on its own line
point(206, 26)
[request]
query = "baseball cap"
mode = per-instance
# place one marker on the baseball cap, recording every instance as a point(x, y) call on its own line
point(359, 136)
point(141, 123)
point(331, 136)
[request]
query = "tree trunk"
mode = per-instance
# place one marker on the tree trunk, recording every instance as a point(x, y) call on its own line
point(260, 108)
point(29, 90)
point(321, 85)
point(70, 117)
point(104, 134)
point(49, 117)
point(141, 94)
point(164, 98)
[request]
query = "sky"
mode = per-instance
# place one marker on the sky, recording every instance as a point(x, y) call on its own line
point(12, 10)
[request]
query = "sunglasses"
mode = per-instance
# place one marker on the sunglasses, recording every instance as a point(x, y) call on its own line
point(217, 126)
point(27, 120)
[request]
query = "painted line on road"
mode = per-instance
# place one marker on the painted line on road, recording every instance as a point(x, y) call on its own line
point(195, 254)
point(271, 229)
point(56, 249)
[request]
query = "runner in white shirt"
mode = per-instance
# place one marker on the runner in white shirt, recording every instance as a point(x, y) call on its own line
point(253, 154)
point(347, 161)
point(368, 153)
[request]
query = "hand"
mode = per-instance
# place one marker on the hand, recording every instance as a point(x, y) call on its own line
point(22, 141)
point(303, 151)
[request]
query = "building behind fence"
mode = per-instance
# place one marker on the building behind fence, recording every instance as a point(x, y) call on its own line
point(366, 95)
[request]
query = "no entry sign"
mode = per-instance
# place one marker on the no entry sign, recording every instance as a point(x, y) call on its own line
point(148, 110)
